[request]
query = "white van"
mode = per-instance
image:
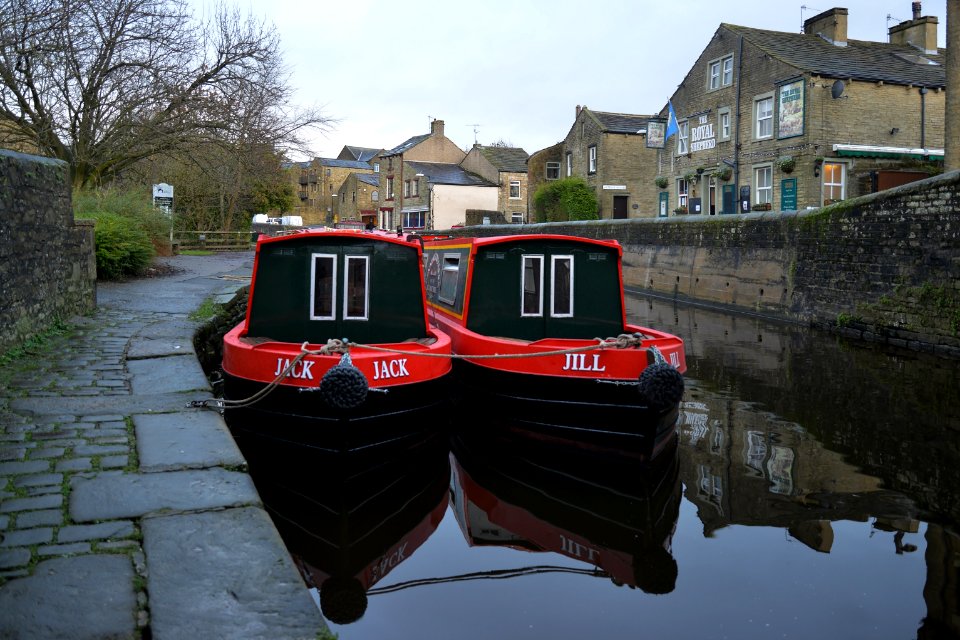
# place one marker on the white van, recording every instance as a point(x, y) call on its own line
point(292, 221)
point(260, 218)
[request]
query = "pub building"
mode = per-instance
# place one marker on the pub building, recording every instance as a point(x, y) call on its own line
point(774, 121)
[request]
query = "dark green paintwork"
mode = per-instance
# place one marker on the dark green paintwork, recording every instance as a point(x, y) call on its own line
point(280, 306)
point(495, 294)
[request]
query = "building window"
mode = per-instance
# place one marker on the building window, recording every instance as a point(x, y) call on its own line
point(531, 286)
point(553, 171)
point(406, 188)
point(681, 192)
point(323, 275)
point(561, 287)
point(763, 117)
point(569, 164)
point(516, 217)
point(592, 155)
point(834, 182)
point(375, 195)
point(723, 123)
point(720, 73)
point(413, 219)
point(414, 188)
point(514, 189)
point(356, 298)
point(389, 188)
point(763, 179)
point(376, 167)
point(683, 138)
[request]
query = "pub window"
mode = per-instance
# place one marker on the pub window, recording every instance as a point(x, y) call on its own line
point(561, 288)
point(727, 77)
point(531, 286)
point(763, 117)
point(592, 166)
point(763, 178)
point(449, 277)
point(683, 138)
point(714, 75)
point(356, 290)
point(723, 123)
point(834, 182)
point(323, 275)
point(681, 192)
point(553, 171)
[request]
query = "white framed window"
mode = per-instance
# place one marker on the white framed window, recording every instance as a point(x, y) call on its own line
point(389, 188)
point(763, 184)
point(413, 219)
point(834, 181)
point(553, 171)
point(449, 278)
point(406, 188)
point(720, 73)
point(569, 164)
point(683, 138)
point(376, 167)
point(531, 286)
point(726, 78)
point(561, 287)
point(516, 217)
point(414, 188)
point(356, 290)
point(763, 117)
point(723, 123)
point(592, 155)
point(682, 188)
point(323, 277)
point(514, 189)
point(713, 82)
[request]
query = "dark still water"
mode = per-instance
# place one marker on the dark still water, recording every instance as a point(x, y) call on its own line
point(814, 492)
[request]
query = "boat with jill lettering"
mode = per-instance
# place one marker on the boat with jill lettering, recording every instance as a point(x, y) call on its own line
point(335, 333)
point(539, 333)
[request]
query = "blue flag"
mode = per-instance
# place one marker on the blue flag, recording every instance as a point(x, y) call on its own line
point(672, 126)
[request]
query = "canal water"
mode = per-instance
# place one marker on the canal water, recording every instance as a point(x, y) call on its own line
point(813, 491)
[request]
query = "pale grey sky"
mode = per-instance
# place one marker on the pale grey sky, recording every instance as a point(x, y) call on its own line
point(513, 70)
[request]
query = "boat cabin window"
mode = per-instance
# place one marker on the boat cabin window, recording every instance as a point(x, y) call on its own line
point(356, 293)
point(449, 277)
point(531, 286)
point(323, 274)
point(561, 287)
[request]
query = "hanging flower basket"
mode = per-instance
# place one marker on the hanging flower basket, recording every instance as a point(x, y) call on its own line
point(786, 163)
point(661, 182)
point(680, 211)
point(690, 177)
point(723, 173)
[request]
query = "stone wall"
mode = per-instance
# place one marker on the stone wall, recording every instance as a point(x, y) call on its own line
point(883, 267)
point(48, 268)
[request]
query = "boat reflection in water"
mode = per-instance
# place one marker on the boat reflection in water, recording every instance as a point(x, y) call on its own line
point(347, 520)
point(613, 513)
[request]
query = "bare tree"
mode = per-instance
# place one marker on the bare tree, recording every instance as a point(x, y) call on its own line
point(104, 84)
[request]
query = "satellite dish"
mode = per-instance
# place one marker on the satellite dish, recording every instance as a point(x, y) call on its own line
point(837, 90)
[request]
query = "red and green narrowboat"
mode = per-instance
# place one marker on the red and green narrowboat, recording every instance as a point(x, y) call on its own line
point(538, 326)
point(336, 332)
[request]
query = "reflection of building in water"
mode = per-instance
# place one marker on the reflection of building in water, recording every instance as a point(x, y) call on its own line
point(942, 590)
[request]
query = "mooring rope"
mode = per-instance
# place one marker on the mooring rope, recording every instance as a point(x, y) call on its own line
point(335, 346)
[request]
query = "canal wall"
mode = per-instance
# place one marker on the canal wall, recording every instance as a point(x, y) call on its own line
point(883, 267)
point(47, 263)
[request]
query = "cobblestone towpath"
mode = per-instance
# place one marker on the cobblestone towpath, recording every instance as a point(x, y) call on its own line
point(123, 513)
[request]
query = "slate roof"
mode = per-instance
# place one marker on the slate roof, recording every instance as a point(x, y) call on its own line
point(412, 142)
point(447, 173)
point(859, 60)
point(620, 122)
point(290, 165)
point(511, 159)
point(343, 164)
point(369, 178)
point(363, 154)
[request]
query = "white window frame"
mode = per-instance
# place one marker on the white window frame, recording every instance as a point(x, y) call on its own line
point(762, 119)
point(683, 192)
point(713, 75)
point(523, 284)
point(569, 164)
point(514, 184)
point(390, 193)
point(842, 184)
point(724, 128)
point(555, 166)
point(421, 219)
point(553, 284)
point(760, 191)
point(366, 287)
point(406, 188)
point(726, 72)
point(415, 188)
point(313, 286)
point(683, 138)
point(516, 217)
point(592, 162)
point(376, 167)
point(450, 268)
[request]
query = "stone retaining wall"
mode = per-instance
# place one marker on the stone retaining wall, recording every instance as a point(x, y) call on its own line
point(883, 267)
point(48, 267)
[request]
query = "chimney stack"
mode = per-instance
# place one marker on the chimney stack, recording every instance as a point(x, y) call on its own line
point(831, 25)
point(920, 33)
point(436, 128)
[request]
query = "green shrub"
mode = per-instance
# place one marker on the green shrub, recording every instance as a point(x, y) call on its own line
point(567, 199)
point(123, 249)
point(135, 204)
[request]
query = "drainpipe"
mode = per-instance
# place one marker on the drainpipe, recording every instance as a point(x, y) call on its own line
point(736, 139)
point(923, 117)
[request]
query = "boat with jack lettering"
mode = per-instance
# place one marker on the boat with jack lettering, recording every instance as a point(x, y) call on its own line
point(335, 332)
point(538, 326)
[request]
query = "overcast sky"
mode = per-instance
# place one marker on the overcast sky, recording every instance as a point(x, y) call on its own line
point(513, 70)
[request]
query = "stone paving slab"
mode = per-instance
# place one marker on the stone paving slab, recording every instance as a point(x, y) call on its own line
point(185, 440)
point(94, 406)
point(173, 374)
point(108, 496)
point(88, 597)
point(208, 571)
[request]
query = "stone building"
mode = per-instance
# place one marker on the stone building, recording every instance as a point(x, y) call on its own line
point(769, 120)
point(358, 198)
point(397, 183)
point(542, 166)
point(507, 168)
point(610, 152)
